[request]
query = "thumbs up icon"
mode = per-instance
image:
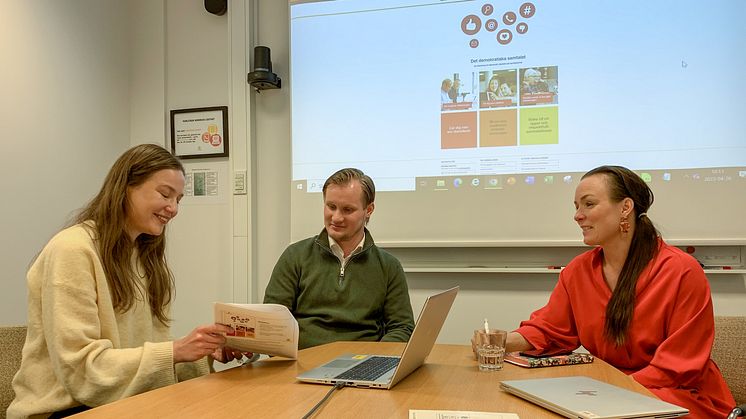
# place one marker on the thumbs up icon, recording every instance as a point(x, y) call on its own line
point(471, 24)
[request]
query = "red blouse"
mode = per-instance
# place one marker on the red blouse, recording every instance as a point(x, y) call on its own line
point(670, 338)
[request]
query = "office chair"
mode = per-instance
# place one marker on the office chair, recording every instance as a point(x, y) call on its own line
point(12, 339)
point(728, 354)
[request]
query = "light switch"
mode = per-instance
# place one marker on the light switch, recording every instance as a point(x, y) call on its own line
point(239, 182)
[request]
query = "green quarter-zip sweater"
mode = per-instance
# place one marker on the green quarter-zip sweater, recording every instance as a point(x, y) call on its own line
point(368, 299)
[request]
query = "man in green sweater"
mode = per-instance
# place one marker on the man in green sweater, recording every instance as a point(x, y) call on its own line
point(339, 285)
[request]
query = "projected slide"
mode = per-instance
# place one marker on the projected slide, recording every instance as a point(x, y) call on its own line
point(412, 91)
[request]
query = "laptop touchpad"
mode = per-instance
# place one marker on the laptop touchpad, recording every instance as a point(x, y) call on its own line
point(342, 363)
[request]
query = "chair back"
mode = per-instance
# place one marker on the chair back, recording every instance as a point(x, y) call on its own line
point(12, 339)
point(729, 352)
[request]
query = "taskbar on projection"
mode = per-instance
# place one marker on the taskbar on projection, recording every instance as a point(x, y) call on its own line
point(455, 182)
point(500, 182)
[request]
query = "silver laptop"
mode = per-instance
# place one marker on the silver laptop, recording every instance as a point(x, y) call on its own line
point(384, 371)
point(584, 397)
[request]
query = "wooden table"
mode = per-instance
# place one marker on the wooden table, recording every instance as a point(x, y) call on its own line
point(449, 380)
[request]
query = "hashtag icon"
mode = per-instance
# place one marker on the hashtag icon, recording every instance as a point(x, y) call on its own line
point(527, 10)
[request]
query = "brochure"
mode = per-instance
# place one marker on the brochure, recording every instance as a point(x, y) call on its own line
point(260, 328)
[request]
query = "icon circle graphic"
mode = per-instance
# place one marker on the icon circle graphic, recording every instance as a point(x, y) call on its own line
point(527, 10)
point(509, 18)
point(471, 24)
point(504, 37)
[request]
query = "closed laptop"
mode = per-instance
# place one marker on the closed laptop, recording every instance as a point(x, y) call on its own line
point(584, 397)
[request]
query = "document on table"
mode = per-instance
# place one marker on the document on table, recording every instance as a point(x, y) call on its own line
point(260, 328)
point(458, 414)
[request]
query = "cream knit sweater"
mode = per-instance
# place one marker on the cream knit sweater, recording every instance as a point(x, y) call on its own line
point(78, 349)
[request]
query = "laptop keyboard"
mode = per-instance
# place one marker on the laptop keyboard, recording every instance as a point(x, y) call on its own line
point(370, 369)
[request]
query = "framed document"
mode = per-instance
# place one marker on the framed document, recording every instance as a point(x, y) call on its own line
point(199, 132)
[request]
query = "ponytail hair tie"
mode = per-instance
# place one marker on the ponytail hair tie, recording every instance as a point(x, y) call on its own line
point(642, 214)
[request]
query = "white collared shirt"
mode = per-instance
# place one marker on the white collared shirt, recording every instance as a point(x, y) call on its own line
point(339, 253)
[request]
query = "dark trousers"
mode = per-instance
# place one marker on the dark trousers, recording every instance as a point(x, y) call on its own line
point(68, 412)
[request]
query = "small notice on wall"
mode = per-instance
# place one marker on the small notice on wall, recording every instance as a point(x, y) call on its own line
point(201, 183)
point(206, 183)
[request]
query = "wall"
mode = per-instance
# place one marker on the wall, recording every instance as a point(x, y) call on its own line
point(64, 109)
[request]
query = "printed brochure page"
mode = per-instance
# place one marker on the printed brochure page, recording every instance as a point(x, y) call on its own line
point(260, 328)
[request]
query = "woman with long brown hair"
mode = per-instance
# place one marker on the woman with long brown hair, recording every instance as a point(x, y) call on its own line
point(634, 301)
point(99, 298)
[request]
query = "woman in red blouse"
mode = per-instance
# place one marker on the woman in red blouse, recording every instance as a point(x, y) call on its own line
point(634, 301)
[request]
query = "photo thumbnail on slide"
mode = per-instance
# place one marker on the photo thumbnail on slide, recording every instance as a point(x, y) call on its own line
point(457, 92)
point(498, 88)
point(539, 86)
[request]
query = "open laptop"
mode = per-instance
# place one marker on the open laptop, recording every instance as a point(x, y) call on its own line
point(384, 371)
point(584, 397)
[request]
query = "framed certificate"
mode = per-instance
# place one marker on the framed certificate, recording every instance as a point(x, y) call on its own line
point(199, 132)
